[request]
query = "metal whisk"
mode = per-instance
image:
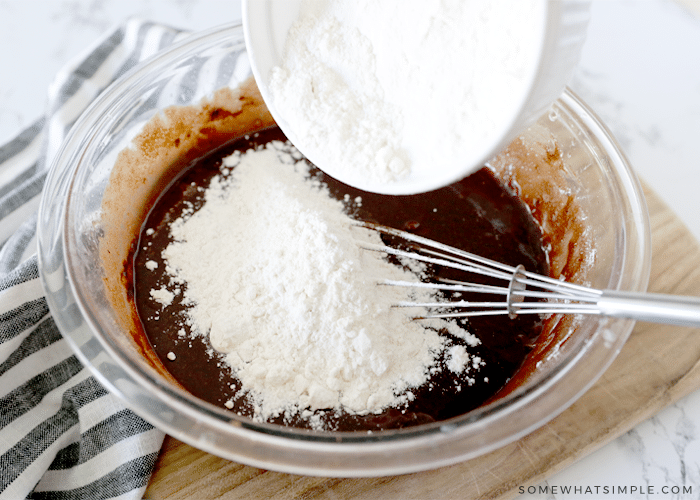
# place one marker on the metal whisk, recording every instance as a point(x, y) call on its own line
point(550, 295)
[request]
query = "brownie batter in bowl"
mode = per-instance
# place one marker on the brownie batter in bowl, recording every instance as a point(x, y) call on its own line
point(560, 200)
point(477, 214)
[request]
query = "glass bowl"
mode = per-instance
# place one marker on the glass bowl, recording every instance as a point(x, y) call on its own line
point(72, 273)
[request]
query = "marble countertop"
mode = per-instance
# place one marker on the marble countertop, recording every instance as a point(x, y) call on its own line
point(640, 72)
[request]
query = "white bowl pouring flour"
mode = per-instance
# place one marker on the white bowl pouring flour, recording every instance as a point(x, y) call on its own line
point(407, 96)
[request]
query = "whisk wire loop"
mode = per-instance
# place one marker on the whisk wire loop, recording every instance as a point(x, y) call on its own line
point(523, 292)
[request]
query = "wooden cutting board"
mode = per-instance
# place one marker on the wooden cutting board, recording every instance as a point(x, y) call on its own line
point(657, 366)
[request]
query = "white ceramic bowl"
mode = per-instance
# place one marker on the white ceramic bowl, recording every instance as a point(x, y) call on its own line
point(562, 25)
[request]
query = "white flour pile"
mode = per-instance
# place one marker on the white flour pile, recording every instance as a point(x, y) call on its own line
point(274, 274)
point(374, 87)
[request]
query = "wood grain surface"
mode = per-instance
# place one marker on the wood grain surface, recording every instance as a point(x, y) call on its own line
point(657, 366)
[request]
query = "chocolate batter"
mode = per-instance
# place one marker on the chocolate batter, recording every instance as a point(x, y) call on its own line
point(477, 214)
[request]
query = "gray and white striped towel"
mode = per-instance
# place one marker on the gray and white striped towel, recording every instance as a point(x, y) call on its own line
point(62, 435)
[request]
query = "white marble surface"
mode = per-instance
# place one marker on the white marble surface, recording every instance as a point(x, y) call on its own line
point(640, 72)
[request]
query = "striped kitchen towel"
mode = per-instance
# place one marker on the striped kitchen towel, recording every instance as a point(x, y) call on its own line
point(62, 435)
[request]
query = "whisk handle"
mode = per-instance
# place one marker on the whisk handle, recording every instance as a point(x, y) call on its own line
point(652, 307)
